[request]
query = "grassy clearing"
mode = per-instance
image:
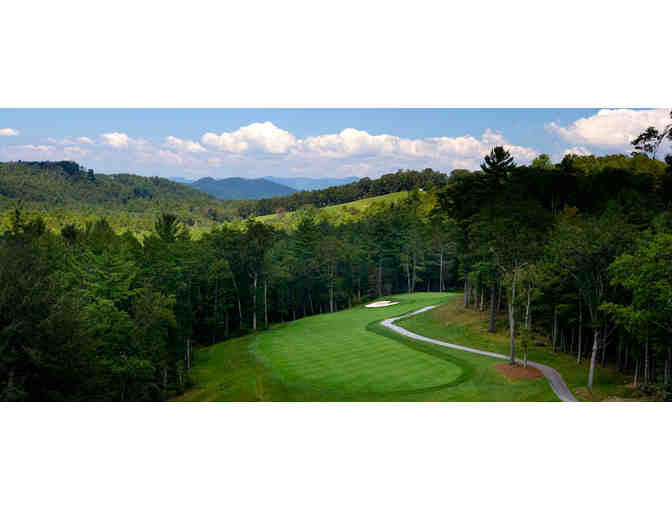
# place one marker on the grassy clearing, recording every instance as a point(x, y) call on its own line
point(348, 356)
point(453, 323)
point(336, 214)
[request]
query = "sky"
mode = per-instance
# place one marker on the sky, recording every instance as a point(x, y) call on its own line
point(194, 143)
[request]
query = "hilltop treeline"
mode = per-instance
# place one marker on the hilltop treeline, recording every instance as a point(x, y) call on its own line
point(402, 180)
point(133, 201)
point(65, 192)
point(578, 251)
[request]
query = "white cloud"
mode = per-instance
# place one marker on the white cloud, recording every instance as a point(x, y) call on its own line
point(117, 140)
point(75, 152)
point(441, 151)
point(259, 136)
point(184, 145)
point(40, 148)
point(9, 132)
point(170, 158)
point(72, 141)
point(610, 129)
point(579, 151)
point(262, 148)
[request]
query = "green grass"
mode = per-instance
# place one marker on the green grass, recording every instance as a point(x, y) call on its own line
point(348, 356)
point(336, 214)
point(455, 324)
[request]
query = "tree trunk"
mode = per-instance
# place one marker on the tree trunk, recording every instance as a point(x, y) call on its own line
point(240, 307)
point(527, 310)
point(646, 361)
point(593, 356)
point(512, 321)
point(265, 303)
point(466, 293)
point(408, 277)
point(441, 271)
point(380, 278)
point(634, 382)
point(555, 327)
point(578, 356)
point(499, 298)
point(331, 299)
point(666, 374)
point(254, 303)
point(493, 288)
point(482, 299)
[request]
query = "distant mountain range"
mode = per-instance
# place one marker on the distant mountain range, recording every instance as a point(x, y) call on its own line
point(238, 188)
point(310, 183)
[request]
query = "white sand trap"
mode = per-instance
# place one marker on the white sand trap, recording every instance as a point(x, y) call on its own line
point(380, 304)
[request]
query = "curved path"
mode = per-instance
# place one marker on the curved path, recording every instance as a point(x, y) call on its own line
point(554, 378)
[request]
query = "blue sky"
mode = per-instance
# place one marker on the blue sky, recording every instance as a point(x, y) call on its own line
point(309, 142)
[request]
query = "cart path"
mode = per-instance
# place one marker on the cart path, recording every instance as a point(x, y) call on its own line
point(554, 378)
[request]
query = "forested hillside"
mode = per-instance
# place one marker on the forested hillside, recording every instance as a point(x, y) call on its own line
point(65, 193)
point(334, 214)
point(402, 180)
point(235, 188)
point(71, 194)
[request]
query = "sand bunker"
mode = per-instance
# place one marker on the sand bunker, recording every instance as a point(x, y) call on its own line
point(379, 304)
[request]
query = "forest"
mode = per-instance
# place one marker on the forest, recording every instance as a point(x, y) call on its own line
point(402, 180)
point(579, 252)
point(64, 192)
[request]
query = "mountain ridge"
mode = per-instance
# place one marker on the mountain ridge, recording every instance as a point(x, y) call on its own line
point(239, 188)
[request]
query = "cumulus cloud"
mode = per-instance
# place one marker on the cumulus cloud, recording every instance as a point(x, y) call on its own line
point(39, 148)
point(71, 141)
point(9, 132)
point(117, 140)
point(259, 136)
point(184, 145)
point(262, 148)
point(610, 129)
point(75, 152)
point(170, 158)
point(579, 151)
point(442, 151)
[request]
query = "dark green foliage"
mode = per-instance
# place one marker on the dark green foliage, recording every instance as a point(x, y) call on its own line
point(498, 165)
point(564, 234)
point(364, 188)
point(67, 190)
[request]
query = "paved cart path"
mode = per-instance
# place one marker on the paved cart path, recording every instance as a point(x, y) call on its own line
point(554, 378)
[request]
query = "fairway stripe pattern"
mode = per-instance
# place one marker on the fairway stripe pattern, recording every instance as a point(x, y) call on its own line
point(554, 378)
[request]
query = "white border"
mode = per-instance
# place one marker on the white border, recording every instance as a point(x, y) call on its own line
point(357, 54)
